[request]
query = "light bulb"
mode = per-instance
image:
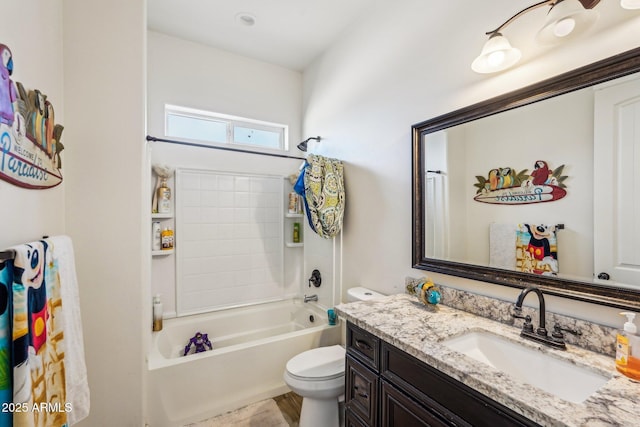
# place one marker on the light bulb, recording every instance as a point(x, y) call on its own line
point(497, 55)
point(496, 58)
point(564, 27)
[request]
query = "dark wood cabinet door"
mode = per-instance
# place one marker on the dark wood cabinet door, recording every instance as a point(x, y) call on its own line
point(361, 395)
point(352, 420)
point(398, 410)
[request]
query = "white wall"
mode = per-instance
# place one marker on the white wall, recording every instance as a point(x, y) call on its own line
point(104, 78)
point(37, 57)
point(394, 70)
point(194, 75)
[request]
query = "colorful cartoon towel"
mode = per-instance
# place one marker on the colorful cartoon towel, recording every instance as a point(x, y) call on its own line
point(537, 249)
point(6, 397)
point(324, 195)
point(38, 339)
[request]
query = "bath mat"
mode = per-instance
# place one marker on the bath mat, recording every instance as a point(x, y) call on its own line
point(261, 414)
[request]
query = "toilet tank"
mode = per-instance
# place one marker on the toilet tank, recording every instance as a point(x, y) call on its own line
point(361, 294)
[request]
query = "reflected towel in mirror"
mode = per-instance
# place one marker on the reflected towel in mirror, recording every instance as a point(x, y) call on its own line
point(502, 241)
point(537, 249)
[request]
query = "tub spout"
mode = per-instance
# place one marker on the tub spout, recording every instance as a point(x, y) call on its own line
point(310, 298)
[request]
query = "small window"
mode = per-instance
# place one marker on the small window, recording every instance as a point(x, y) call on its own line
point(216, 129)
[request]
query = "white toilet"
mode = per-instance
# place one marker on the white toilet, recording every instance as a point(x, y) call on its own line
point(318, 376)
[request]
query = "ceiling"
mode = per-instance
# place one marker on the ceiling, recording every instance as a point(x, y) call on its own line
point(292, 33)
point(289, 33)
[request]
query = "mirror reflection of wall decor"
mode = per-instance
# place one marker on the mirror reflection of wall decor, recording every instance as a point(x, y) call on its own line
point(503, 186)
point(451, 232)
point(29, 137)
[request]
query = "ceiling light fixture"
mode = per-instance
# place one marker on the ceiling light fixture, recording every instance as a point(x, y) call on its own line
point(565, 20)
point(497, 55)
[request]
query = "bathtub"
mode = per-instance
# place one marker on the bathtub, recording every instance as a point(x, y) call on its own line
point(251, 346)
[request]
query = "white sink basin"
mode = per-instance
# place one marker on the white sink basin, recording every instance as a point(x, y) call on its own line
point(558, 377)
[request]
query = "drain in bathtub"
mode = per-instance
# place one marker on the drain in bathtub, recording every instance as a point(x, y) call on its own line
point(311, 318)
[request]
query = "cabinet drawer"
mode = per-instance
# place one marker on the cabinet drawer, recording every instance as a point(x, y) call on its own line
point(460, 404)
point(398, 410)
point(365, 346)
point(361, 393)
point(352, 420)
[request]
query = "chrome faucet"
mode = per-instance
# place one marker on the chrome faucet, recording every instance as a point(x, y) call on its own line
point(310, 298)
point(540, 335)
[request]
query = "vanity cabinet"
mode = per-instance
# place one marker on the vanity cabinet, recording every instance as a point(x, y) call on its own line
point(387, 387)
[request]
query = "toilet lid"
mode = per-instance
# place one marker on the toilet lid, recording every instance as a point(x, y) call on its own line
point(321, 362)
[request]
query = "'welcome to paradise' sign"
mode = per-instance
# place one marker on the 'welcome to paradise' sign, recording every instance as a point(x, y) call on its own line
point(504, 186)
point(29, 138)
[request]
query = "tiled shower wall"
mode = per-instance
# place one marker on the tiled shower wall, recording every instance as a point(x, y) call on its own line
point(229, 239)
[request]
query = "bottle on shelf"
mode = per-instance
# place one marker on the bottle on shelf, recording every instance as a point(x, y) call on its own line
point(167, 239)
point(157, 238)
point(294, 203)
point(296, 232)
point(157, 313)
point(164, 197)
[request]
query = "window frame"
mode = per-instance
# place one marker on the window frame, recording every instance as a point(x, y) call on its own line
point(231, 122)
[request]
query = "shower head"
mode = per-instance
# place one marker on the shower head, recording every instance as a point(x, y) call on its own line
point(303, 145)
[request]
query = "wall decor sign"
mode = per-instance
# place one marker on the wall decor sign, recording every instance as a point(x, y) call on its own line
point(29, 137)
point(503, 186)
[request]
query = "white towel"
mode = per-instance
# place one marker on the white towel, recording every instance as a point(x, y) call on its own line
point(502, 245)
point(75, 367)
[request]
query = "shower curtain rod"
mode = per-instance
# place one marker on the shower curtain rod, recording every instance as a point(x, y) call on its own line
point(239, 150)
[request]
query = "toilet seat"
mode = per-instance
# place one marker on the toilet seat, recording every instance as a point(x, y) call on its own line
point(318, 364)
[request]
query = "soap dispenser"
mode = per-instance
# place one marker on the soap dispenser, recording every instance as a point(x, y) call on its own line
point(628, 348)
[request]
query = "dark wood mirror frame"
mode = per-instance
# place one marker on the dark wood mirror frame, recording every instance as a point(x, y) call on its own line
point(608, 69)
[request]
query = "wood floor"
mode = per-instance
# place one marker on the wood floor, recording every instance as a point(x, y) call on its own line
point(290, 405)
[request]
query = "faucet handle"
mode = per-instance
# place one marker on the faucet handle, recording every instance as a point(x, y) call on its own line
point(527, 326)
point(557, 331)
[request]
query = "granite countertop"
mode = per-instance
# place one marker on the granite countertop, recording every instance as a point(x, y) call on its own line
point(404, 322)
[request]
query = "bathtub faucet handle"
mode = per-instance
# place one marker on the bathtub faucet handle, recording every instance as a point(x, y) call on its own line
point(315, 279)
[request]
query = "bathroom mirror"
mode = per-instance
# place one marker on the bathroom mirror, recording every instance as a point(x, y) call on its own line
point(453, 254)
